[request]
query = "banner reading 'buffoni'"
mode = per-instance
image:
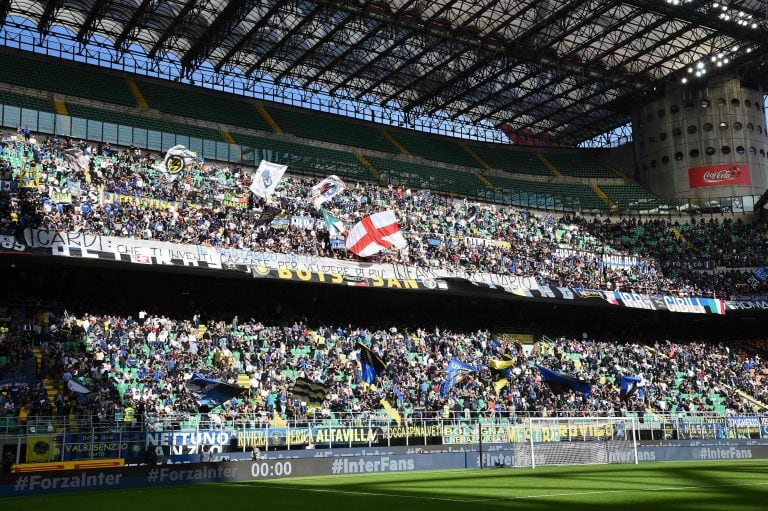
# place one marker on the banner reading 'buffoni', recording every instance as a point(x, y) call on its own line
point(724, 174)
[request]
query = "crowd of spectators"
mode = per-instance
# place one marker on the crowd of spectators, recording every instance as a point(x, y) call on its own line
point(143, 363)
point(211, 205)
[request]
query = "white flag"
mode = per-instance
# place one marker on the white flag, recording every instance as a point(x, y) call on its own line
point(374, 234)
point(266, 178)
point(77, 159)
point(176, 160)
point(326, 190)
point(76, 386)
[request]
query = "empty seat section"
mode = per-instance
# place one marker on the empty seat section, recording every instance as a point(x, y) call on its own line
point(419, 176)
point(333, 130)
point(140, 121)
point(24, 101)
point(436, 149)
point(579, 165)
point(632, 197)
point(218, 108)
point(79, 80)
point(548, 195)
point(303, 158)
point(510, 159)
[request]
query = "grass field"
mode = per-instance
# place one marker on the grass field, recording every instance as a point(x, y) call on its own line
point(699, 486)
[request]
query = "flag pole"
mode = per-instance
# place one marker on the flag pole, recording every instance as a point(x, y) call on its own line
point(480, 441)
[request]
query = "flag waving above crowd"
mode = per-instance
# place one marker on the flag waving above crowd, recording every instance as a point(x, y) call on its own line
point(456, 370)
point(628, 386)
point(266, 178)
point(177, 159)
point(210, 392)
point(77, 159)
point(334, 225)
point(370, 363)
point(310, 392)
point(326, 190)
point(561, 383)
point(374, 234)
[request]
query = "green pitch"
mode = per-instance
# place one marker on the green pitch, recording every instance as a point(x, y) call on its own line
point(695, 486)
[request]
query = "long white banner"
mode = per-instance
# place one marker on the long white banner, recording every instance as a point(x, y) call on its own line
point(94, 246)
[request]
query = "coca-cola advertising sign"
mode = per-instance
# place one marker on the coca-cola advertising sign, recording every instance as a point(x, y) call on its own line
point(725, 174)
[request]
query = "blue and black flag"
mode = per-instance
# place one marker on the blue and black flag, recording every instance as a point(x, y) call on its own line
point(211, 393)
point(311, 392)
point(371, 363)
point(456, 370)
point(560, 383)
point(628, 386)
point(267, 215)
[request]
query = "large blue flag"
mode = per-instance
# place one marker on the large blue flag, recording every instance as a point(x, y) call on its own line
point(370, 362)
point(211, 393)
point(560, 383)
point(628, 385)
point(455, 369)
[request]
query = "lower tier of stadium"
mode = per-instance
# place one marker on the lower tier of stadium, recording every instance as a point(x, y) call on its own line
point(135, 338)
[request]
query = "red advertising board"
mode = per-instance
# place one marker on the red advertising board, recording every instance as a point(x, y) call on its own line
point(724, 174)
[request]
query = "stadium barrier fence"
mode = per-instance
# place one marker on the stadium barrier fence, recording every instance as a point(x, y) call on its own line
point(387, 460)
point(46, 439)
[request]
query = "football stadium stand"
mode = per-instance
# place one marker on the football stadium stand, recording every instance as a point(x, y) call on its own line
point(201, 114)
point(146, 363)
point(442, 232)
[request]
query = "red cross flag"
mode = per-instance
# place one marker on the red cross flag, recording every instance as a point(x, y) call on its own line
point(375, 233)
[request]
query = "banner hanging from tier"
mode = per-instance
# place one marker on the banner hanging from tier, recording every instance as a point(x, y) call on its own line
point(323, 270)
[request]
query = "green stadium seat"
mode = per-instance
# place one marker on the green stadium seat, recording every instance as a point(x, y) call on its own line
point(24, 101)
point(549, 195)
point(633, 197)
point(511, 159)
point(304, 158)
point(335, 130)
point(215, 107)
point(139, 121)
point(435, 149)
point(72, 79)
point(579, 165)
point(423, 176)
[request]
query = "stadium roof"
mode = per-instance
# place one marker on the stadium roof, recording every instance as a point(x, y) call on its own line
point(565, 69)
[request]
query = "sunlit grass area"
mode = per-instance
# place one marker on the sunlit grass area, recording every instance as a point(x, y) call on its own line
point(699, 486)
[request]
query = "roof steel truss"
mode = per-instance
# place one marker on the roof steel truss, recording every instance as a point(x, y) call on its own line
point(555, 66)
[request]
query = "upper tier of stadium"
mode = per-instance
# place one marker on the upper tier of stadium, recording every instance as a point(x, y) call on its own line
point(152, 114)
point(561, 72)
point(123, 194)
